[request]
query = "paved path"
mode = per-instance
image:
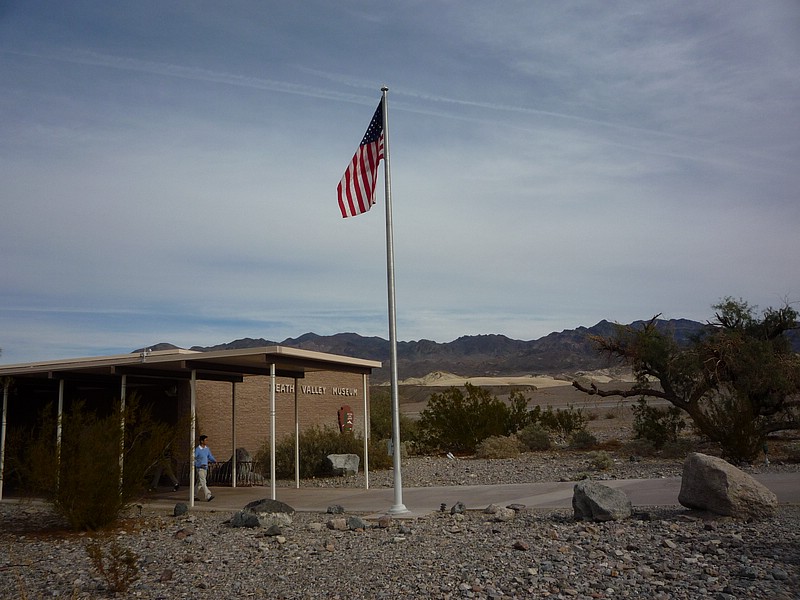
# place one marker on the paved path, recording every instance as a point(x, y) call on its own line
point(424, 500)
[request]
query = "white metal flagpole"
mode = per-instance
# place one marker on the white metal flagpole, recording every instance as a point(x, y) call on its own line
point(398, 507)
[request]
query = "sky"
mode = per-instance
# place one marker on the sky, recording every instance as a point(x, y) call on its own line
point(168, 170)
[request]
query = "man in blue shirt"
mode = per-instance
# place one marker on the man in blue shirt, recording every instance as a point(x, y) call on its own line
point(203, 456)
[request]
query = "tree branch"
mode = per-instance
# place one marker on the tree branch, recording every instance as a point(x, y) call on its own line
point(595, 391)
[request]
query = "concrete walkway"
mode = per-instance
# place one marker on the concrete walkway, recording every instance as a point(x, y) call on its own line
point(424, 500)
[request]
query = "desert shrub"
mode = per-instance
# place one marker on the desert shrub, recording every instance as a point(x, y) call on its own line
point(458, 421)
point(609, 444)
point(496, 446)
point(115, 564)
point(582, 439)
point(677, 449)
point(380, 419)
point(656, 425)
point(646, 448)
point(793, 453)
point(736, 427)
point(640, 447)
point(14, 463)
point(519, 416)
point(534, 437)
point(315, 445)
point(563, 421)
point(83, 481)
point(600, 460)
point(379, 457)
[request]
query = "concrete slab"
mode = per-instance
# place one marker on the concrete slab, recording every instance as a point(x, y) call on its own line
point(421, 501)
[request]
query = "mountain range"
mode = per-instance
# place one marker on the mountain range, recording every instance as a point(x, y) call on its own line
point(569, 351)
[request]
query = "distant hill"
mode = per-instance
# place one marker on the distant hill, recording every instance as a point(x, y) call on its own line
point(475, 355)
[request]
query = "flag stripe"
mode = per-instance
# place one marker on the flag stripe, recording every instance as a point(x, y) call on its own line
point(356, 190)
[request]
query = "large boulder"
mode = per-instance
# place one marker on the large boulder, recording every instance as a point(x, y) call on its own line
point(269, 514)
point(343, 464)
point(712, 484)
point(593, 501)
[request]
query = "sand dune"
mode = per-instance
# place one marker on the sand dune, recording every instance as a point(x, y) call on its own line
point(444, 379)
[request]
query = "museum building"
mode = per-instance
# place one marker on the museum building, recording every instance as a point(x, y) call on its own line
point(240, 398)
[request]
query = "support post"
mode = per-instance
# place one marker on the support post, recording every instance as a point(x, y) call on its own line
point(192, 434)
point(272, 429)
point(122, 395)
point(366, 430)
point(6, 385)
point(59, 422)
point(296, 438)
point(233, 433)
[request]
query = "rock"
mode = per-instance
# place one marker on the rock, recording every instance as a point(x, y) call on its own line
point(267, 505)
point(712, 484)
point(244, 518)
point(500, 513)
point(335, 509)
point(458, 508)
point(343, 464)
point(384, 521)
point(338, 524)
point(270, 514)
point(180, 509)
point(597, 502)
point(355, 523)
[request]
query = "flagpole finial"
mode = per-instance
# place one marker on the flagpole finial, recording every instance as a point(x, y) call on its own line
point(384, 88)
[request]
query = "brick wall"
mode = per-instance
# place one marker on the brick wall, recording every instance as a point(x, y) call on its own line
point(319, 397)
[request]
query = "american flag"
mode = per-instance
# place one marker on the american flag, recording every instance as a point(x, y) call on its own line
point(356, 190)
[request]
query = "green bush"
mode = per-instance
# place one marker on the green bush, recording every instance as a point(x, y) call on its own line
point(677, 449)
point(582, 439)
point(793, 453)
point(534, 437)
point(640, 447)
point(646, 448)
point(507, 446)
point(83, 482)
point(738, 430)
point(316, 443)
point(380, 420)
point(656, 425)
point(600, 460)
point(379, 457)
point(564, 421)
point(519, 416)
point(458, 421)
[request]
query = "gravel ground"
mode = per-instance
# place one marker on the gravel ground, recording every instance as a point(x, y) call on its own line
point(662, 553)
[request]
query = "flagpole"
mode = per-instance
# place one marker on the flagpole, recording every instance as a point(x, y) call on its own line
point(398, 507)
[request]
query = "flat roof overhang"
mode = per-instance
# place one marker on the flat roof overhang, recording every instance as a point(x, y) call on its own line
point(221, 365)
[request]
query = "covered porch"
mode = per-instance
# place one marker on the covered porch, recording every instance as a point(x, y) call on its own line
point(162, 373)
